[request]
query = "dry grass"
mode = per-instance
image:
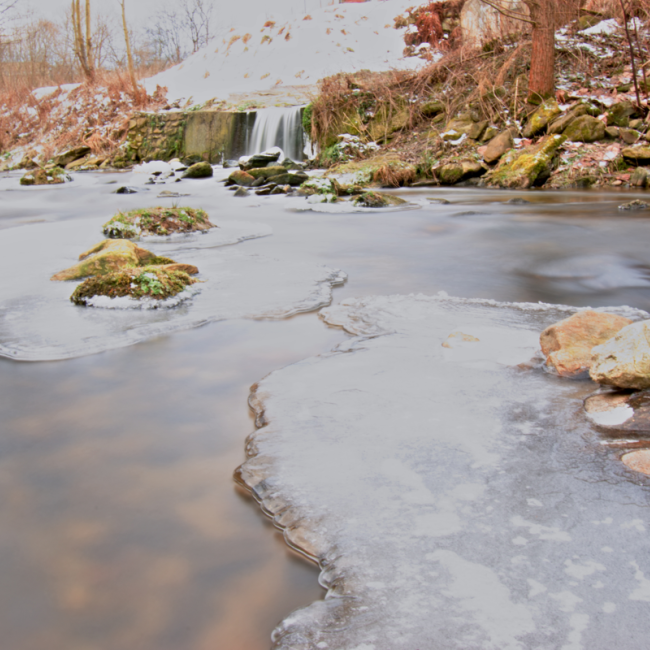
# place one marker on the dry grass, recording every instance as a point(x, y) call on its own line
point(95, 115)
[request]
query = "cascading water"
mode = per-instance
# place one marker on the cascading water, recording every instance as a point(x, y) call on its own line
point(278, 127)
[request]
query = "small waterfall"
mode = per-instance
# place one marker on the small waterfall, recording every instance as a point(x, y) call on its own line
point(278, 127)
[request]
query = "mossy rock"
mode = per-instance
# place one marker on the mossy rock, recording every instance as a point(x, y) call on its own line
point(387, 121)
point(498, 146)
point(464, 125)
point(377, 200)
point(52, 176)
point(199, 170)
point(529, 167)
point(289, 179)
point(585, 129)
point(562, 122)
point(108, 256)
point(158, 282)
point(621, 113)
point(266, 172)
point(640, 177)
point(638, 155)
point(432, 108)
point(629, 136)
point(455, 172)
point(242, 178)
point(156, 221)
point(384, 169)
point(543, 115)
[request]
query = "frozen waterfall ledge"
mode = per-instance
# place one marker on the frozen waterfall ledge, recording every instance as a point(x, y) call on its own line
point(453, 498)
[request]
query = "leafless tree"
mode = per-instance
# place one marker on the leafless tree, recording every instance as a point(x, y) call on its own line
point(197, 16)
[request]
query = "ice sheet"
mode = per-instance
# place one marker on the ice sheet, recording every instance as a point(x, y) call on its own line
point(454, 498)
point(38, 322)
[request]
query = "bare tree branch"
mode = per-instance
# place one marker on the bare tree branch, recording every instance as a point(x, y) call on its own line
point(507, 13)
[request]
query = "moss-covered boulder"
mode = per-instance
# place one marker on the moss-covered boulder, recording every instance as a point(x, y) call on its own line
point(526, 168)
point(640, 177)
point(199, 170)
point(455, 172)
point(156, 221)
point(108, 256)
point(71, 155)
point(242, 178)
point(464, 125)
point(585, 129)
point(388, 120)
point(158, 282)
point(541, 118)
point(639, 155)
point(388, 170)
point(432, 107)
point(289, 179)
point(629, 136)
point(621, 113)
point(377, 200)
point(498, 146)
point(266, 172)
point(40, 176)
point(562, 121)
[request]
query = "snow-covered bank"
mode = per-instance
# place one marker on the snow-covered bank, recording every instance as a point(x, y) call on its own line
point(455, 498)
point(261, 54)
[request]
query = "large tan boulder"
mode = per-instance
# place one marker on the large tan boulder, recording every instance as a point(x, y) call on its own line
point(624, 360)
point(480, 23)
point(568, 344)
point(498, 145)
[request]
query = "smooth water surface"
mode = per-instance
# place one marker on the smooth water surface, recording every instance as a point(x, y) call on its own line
point(121, 526)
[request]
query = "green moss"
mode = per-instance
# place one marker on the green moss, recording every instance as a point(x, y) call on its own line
point(156, 221)
point(377, 200)
point(146, 282)
point(307, 115)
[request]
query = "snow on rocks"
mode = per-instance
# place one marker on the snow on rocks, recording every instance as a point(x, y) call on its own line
point(264, 53)
point(445, 492)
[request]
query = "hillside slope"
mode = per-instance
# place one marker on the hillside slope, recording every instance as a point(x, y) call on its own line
point(262, 54)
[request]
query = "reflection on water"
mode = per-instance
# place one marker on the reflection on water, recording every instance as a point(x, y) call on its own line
point(120, 527)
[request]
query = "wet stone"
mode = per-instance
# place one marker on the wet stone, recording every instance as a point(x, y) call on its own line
point(634, 205)
point(638, 460)
point(622, 412)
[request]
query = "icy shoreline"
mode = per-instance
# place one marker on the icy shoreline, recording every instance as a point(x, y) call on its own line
point(347, 461)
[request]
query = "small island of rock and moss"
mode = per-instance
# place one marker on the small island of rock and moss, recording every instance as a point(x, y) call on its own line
point(118, 268)
point(157, 221)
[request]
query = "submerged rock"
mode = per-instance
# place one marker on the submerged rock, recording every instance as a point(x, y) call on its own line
point(241, 191)
point(377, 200)
point(156, 221)
point(634, 205)
point(157, 282)
point(529, 167)
point(568, 344)
point(40, 176)
point(624, 360)
point(199, 170)
point(620, 411)
point(108, 256)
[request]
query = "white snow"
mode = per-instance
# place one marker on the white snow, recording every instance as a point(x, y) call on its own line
point(294, 51)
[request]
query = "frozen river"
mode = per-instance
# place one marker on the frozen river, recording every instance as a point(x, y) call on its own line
point(121, 525)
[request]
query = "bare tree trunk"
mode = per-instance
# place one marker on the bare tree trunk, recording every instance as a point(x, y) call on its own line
point(82, 46)
point(129, 56)
point(541, 82)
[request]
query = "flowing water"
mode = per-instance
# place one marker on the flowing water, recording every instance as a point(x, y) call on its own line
point(278, 127)
point(121, 525)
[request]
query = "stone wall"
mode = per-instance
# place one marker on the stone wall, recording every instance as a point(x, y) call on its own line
point(195, 135)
